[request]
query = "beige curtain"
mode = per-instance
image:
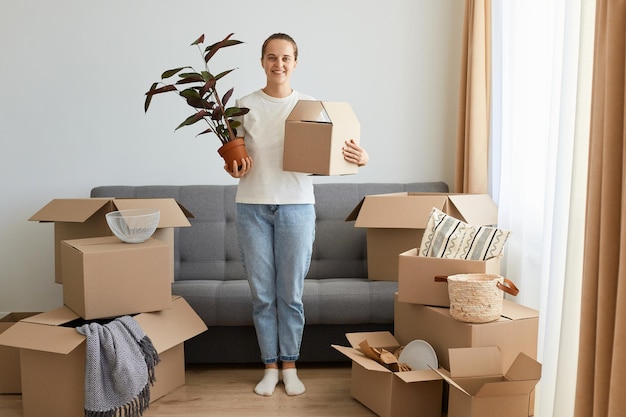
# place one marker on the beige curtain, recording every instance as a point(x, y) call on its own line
point(474, 100)
point(602, 355)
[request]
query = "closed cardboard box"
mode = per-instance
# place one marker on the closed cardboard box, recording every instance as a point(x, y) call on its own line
point(105, 277)
point(52, 356)
point(416, 276)
point(315, 134)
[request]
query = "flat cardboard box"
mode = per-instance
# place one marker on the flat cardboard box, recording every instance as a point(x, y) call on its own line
point(10, 380)
point(315, 134)
point(479, 386)
point(416, 276)
point(77, 218)
point(395, 223)
point(105, 277)
point(391, 394)
point(52, 356)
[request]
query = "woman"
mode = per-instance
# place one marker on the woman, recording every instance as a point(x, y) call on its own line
point(276, 217)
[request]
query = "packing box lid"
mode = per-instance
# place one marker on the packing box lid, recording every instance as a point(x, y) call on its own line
point(79, 210)
point(408, 210)
point(45, 332)
point(323, 112)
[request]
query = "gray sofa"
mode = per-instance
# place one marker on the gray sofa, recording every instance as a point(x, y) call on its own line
point(338, 297)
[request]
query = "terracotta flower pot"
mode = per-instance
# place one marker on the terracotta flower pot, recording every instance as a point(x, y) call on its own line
point(235, 150)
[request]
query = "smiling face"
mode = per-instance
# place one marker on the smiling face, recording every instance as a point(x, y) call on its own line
point(279, 60)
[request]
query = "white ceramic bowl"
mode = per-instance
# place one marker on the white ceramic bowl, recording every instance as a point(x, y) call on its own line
point(135, 225)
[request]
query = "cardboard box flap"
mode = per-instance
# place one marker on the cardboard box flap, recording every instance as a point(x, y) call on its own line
point(475, 362)
point(75, 210)
point(375, 339)
point(168, 328)
point(309, 111)
point(360, 358)
point(514, 311)
point(106, 244)
point(396, 211)
point(446, 376)
point(55, 317)
point(340, 113)
point(43, 338)
point(173, 214)
point(418, 376)
point(505, 388)
point(524, 368)
point(474, 209)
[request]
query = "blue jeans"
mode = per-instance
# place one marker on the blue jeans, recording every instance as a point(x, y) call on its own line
point(276, 243)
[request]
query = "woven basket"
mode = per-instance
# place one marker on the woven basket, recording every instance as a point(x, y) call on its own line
point(477, 298)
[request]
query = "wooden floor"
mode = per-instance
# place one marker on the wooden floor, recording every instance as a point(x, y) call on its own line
point(227, 391)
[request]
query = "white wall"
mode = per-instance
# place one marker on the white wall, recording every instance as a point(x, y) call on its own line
point(74, 72)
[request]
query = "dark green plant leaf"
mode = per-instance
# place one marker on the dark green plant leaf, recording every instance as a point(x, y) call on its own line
point(190, 93)
point(236, 111)
point(222, 74)
point(193, 119)
point(149, 97)
point(234, 124)
point(173, 71)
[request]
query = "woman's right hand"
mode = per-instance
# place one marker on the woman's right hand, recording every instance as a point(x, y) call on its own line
point(235, 171)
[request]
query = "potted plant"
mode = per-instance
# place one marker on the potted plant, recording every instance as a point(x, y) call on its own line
point(199, 90)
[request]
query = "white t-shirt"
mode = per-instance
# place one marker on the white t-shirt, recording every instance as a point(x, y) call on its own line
point(263, 129)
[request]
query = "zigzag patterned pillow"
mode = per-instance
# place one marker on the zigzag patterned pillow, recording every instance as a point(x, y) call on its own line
point(447, 237)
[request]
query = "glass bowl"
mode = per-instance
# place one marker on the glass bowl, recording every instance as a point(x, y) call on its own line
point(135, 225)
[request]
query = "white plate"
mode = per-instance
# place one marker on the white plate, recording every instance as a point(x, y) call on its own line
point(419, 354)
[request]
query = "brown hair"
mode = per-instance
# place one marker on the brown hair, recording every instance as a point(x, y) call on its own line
point(284, 37)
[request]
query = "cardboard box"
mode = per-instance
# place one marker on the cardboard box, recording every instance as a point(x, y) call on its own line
point(416, 276)
point(514, 332)
point(480, 388)
point(386, 393)
point(315, 134)
point(10, 380)
point(395, 223)
point(105, 277)
point(52, 356)
point(77, 218)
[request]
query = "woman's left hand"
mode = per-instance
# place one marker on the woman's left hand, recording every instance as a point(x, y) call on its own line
point(355, 154)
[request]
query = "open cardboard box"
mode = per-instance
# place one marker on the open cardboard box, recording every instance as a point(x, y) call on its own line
point(416, 276)
point(315, 134)
point(77, 218)
point(386, 393)
point(515, 331)
point(52, 356)
point(10, 380)
point(395, 223)
point(105, 277)
point(481, 388)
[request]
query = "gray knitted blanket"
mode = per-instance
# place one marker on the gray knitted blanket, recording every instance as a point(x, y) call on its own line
point(119, 368)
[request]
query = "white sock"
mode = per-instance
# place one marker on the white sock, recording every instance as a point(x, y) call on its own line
point(268, 383)
point(293, 385)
